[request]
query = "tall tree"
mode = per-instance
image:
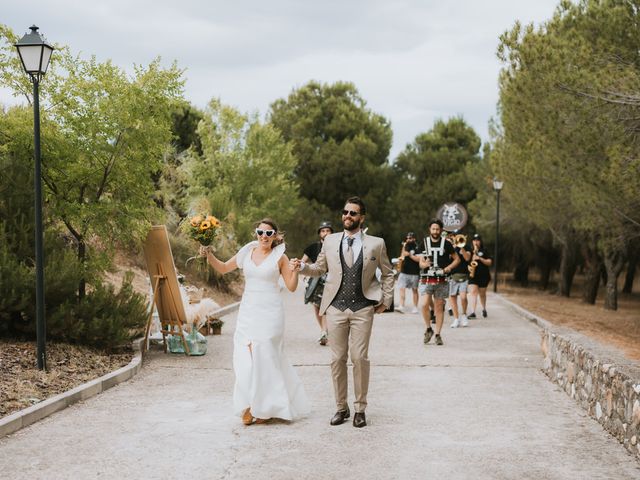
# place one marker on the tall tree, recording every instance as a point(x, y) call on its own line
point(340, 145)
point(563, 151)
point(245, 171)
point(433, 170)
point(107, 132)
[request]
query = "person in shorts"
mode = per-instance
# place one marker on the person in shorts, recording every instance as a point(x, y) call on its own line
point(481, 277)
point(437, 261)
point(458, 287)
point(409, 273)
point(316, 285)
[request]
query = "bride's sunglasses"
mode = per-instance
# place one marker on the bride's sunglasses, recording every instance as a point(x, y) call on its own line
point(268, 233)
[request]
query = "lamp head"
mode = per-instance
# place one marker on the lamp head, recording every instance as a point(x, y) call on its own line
point(35, 53)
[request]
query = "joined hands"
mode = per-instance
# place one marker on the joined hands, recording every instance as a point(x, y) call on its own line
point(295, 264)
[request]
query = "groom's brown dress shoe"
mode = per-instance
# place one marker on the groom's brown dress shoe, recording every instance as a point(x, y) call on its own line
point(359, 420)
point(340, 417)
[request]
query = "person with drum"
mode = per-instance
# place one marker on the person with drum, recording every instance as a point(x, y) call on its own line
point(437, 261)
point(315, 286)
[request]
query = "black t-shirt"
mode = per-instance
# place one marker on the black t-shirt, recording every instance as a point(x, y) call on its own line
point(463, 266)
point(444, 260)
point(410, 267)
point(312, 251)
point(482, 271)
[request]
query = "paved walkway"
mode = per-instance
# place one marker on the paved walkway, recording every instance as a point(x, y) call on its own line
point(478, 407)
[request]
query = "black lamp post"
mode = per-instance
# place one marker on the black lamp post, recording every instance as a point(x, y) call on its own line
point(497, 186)
point(35, 54)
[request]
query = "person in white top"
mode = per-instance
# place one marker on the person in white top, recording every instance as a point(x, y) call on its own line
point(266, 384)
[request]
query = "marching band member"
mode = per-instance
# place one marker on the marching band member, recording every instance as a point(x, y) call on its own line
point(315, 286)
point(437, 261)
point(459, 283)
point(409, 273)
point(479, 276)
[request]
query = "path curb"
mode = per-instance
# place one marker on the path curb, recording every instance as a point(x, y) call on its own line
point(599, 378)
point(30, 415)
point(23, 418)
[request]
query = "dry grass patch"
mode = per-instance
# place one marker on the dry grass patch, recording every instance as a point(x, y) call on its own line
point(620, 328)
point(69, 366)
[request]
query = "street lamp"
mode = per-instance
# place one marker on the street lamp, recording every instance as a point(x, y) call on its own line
point(497, 186)
point(35, 53)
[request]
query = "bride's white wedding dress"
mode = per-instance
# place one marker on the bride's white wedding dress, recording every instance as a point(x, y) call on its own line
point(265, 380)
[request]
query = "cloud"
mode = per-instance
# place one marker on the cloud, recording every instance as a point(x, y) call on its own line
point(413, 61)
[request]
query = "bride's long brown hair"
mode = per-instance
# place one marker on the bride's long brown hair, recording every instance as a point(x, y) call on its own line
point(279, 237)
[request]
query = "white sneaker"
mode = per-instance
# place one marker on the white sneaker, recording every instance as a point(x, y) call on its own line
point(414, 310)
point(400, 309)
point(455, 323)
point(464, 321)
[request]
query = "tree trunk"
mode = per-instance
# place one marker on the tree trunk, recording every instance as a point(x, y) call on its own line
point(545, 274)
point(630, 275)
point(521, 272)
point(613, 261)
point(593, 267)
point(82, 256)
point(568, 267)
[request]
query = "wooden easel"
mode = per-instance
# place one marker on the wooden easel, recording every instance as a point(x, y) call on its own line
point(166, 292)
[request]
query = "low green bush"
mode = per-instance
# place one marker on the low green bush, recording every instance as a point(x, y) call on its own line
point(106, 318)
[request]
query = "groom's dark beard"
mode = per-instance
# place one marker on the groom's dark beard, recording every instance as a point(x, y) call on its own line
point(354, 226)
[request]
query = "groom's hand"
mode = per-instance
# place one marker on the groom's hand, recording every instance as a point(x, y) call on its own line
point(294, 265)
point(380, 308)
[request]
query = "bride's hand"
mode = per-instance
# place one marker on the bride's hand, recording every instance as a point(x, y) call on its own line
point(294, 265)
point(203, 251)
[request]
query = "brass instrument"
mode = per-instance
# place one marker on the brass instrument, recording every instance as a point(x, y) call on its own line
point(460, 240)
point(472, 268)
point(400, 259)
point(473, 264)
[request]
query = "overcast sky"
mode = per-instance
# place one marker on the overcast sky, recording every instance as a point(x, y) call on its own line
point(412, 61)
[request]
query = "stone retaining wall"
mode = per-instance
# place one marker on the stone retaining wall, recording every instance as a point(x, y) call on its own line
point(600, 379)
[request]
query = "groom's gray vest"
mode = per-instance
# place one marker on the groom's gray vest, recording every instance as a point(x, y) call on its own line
point(350, 294)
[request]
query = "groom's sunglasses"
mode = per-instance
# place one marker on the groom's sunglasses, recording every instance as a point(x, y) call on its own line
point(351, 213)
point(268, 233)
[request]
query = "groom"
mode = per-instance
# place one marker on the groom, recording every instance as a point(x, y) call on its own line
point(352, 294)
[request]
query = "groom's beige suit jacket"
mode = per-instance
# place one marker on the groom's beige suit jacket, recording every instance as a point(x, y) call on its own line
point(374, 255)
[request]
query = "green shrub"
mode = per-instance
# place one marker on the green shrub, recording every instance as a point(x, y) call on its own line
point(104, 319)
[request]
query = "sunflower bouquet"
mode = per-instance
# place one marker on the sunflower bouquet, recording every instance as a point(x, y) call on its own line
point(201, 228)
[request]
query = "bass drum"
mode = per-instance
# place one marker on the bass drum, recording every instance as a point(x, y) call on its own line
point(313, 284)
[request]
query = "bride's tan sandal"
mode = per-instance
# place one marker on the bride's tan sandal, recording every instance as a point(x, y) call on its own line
point(247, 418)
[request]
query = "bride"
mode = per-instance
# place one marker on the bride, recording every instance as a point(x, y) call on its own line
point(266, 384)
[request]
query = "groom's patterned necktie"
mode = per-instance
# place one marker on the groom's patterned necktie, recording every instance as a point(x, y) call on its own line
point(348, 258)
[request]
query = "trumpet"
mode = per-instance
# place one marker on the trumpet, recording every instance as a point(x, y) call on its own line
point(460, 240)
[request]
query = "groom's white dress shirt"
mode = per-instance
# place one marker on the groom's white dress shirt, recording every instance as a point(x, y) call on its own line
point(356, 247)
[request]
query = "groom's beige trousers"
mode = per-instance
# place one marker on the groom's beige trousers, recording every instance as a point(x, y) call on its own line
point(350, 332)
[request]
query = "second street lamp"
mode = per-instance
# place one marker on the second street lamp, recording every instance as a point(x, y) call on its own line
point(497, 186)
point(35, 53)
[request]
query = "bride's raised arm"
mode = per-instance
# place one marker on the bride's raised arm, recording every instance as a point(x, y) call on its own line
point(218, 265)
point(290, 277)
